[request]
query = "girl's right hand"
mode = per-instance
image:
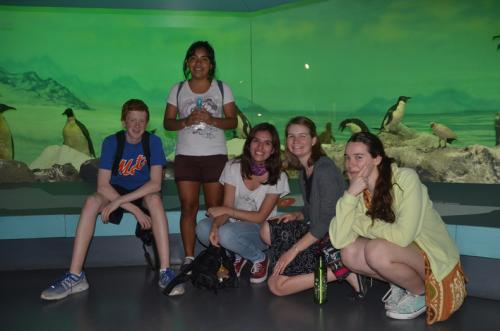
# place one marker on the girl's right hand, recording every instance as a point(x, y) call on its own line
point(359, 183)
point(285, 218)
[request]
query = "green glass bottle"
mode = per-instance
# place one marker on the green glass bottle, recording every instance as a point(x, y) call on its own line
point(320, 280)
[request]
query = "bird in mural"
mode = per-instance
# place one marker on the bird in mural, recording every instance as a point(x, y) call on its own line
point(354, 124)
point(497, 37)
point(6, 140)
point(76, 135)
point(443, 133)
point(497, 128)
point(394, 114)
point(326, 137)
point(243, 127)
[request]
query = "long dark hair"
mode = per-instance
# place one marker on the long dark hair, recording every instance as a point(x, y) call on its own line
point(190, 52)
point(381, 202)
point(317, 151)
point(273, 163)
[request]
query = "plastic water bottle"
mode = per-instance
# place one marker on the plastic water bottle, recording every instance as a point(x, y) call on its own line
point(320, 280)
point(200, 126)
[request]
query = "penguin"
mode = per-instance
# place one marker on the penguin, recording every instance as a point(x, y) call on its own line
point(394, 114)
point(326, 137)
point(497, 128)
point(443, 133)
point(497, 37)
point(76, 135)
point(243, 127)
point(6, 140)
point(354, 124)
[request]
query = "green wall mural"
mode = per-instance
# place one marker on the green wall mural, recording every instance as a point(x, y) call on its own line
point(329, 60)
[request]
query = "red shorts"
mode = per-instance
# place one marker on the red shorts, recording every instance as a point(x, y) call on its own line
point(204, 169)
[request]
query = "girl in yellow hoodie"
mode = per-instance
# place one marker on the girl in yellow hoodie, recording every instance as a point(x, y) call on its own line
point(388, 229)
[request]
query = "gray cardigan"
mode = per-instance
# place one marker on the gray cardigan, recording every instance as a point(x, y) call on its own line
point(327, 187)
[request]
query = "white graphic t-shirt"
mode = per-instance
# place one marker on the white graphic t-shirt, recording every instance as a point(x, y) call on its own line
point(251, 200)
point(207, 140)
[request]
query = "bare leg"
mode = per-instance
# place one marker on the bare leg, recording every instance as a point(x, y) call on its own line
point(403, 266)
point(214, 194)
point(281, 285)
point(85, 230)
point(265, 233)
point(189, 192)
point(159, 225)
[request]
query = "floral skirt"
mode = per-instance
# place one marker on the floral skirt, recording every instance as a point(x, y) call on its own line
point(283, 236)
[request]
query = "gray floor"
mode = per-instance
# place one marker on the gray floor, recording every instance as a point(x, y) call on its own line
point(127, 298)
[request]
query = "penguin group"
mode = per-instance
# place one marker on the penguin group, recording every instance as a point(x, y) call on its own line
point(6, 139)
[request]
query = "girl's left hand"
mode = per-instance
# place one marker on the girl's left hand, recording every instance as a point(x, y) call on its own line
point(217, 211)
point(284, 261)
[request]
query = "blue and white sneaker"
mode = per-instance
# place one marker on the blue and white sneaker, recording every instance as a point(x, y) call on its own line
point(409, 307)
point(166, 277)
point(66, 285)
point(393, 296)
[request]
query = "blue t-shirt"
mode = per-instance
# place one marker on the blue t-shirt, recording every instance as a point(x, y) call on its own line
point(133, 171)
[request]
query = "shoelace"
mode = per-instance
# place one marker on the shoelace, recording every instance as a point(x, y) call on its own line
point(387, 295)
point(258, 266)
point(61, 281)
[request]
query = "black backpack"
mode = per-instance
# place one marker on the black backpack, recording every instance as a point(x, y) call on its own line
point(146, 235)
point(206, 271)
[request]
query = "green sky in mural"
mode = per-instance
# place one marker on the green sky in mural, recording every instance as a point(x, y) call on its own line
point(356, 51)
point(360, 50)
point(362, 55)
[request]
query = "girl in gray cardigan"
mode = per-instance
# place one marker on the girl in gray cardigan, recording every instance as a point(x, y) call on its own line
point(295, 238)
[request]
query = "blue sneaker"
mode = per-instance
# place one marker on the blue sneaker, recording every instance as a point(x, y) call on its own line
point(66, 285)
point(409, 307)
point(393, 296)
point(166, 277)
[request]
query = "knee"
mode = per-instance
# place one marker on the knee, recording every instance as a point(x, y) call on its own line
point(203, 230)
point(189, 208)
point(153, 200)
point(265, 234)
point(226, 236)
point(377, 253)
point(274, 285)
point(349, 256)
point(93, 201)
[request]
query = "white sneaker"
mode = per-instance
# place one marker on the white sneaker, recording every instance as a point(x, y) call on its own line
point(392, 296)
point(187, 261)
point(178, 290)
point(68, 284)
point(409, 307)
